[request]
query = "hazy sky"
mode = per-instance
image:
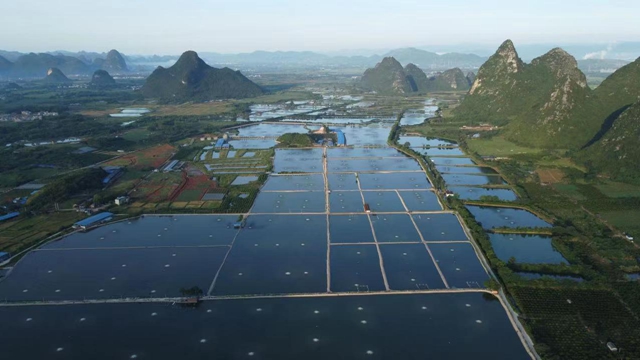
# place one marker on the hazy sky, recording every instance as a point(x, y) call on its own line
point(172, 26)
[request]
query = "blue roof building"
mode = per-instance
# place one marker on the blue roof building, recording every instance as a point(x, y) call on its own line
point(9, 216)
point(219, 143)
point(93, 220)
point(4, 256)
point(342, 140)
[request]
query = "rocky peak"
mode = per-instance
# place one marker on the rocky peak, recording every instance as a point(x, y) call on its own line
point(500, 67)
point(507, 51)
point(563, 65)
point(114, 62)
point(389, 63)
point(55, 75)
point(102, 78)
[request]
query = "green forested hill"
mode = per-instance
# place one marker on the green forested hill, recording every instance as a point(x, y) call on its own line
point(191, 79)
point(543, 104)
point(55, 76)
point(617, 153)
point(388, 77)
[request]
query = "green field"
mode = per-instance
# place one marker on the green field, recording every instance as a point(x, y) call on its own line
point(498, 146)
point(619, 190)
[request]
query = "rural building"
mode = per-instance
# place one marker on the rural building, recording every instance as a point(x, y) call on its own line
point(219, 143)
point(121, 200)
point(4, 256)
point(367, 208)
point(113, 173)
point(93, 221)
point(342, 140)
point(9, 216)
point(171, 166)
point(612, 346)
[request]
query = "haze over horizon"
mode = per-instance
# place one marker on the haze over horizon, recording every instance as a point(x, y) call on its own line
point(165, 27)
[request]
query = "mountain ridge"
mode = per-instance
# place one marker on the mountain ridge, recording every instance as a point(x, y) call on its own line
point(190, 78)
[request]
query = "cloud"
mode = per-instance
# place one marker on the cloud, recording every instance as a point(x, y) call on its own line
point(602, 54)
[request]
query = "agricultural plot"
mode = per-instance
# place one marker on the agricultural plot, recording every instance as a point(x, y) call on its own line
point(151, 158)
point(577, 323)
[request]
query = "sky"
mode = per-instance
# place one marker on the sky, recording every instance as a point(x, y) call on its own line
point(232, 26)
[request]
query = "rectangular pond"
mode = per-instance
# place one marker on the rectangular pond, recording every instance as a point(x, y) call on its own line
point(373, 165)
point(452, 161)
point(271, 130)
point(244, 180)
point(421, 141)
point(459, 264)
point(475, 170)
point(252, 143)
point(111, 273)
point(298, 160)
point(355, 268)
point(476, 193)
point(333, 153)
point(439, 151)
point(420, 200)
point(409, 267)
point(499, 217)
point(350, 229)
point(463, 179)
point(154, 231)
point(383, 201)
point(289, 202)
point(410, 327)
point(312, 182)
point(277, 254)
point(392, 181)
point(526, 249)
point(390, 228)
point(440, 227)
point(346, 202)
point(345, 181)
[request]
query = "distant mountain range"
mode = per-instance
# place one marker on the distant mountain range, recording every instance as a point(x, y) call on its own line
point(35, 66)
point(84, 63)
point(191, 79)
point(389, 77)
point(547, 104)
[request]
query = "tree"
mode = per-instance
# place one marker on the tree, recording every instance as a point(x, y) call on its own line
point(193, 291)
